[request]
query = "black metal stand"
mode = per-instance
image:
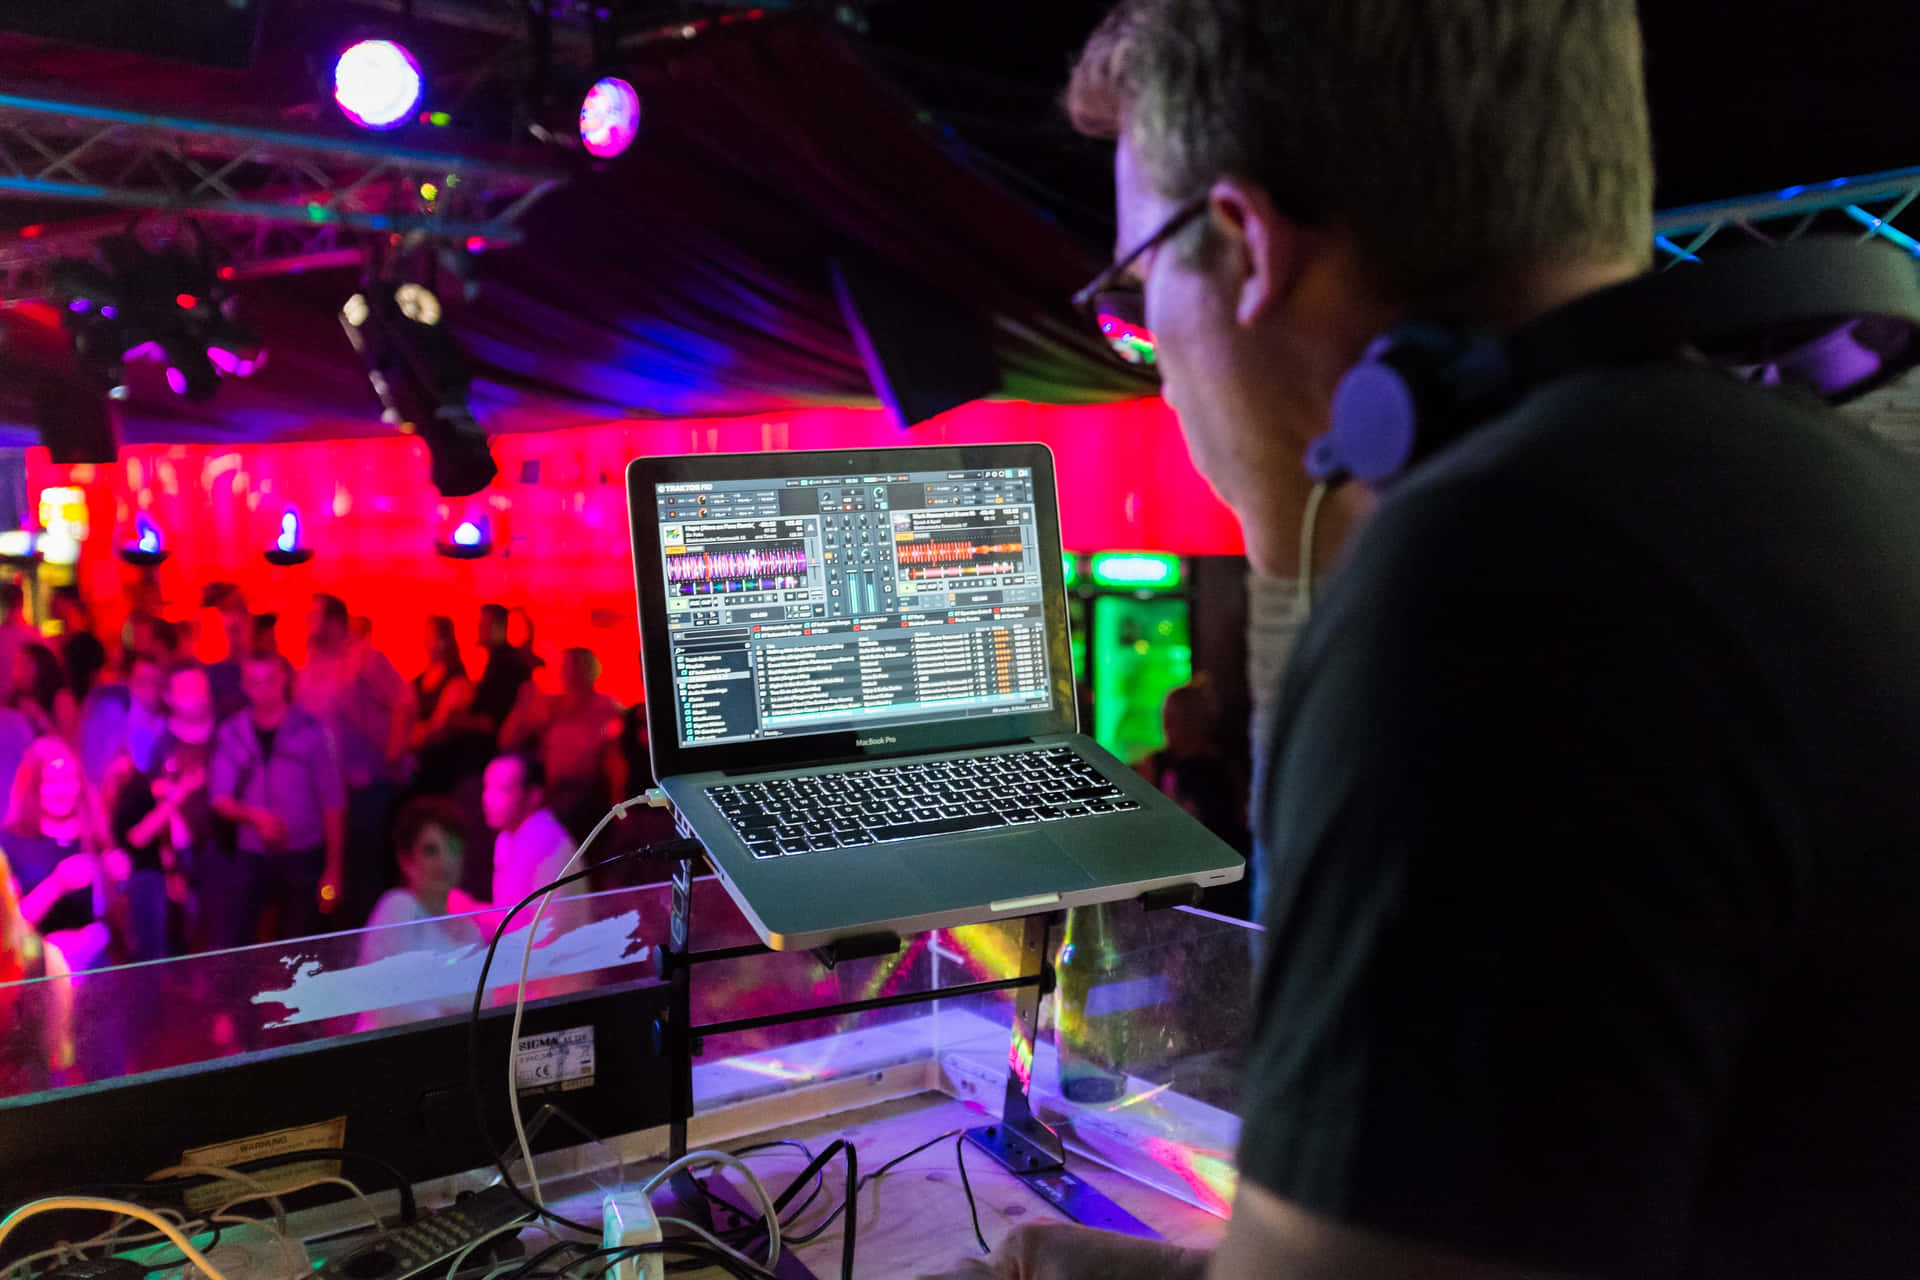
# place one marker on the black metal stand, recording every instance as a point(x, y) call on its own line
point(1027, 1147)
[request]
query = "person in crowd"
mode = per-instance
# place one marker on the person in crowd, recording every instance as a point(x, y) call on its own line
point(576, 733)
point(36, 1000)
point(56, 840)
point(441, 692)
point(532, 846)
point(200, 842)
point(1192, 771)
point(520, 634)
point(265, 638)
point(146, 707)
point(356, 693)
point(429, 840)
point(81, 654)
point(140, 827)
point(236, 629)
point(499, 685)
point(16, 632)
point(40, 692)
point(276, 777)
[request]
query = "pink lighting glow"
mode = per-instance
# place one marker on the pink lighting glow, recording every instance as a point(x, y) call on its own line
point(377, 84)
point(609, 117)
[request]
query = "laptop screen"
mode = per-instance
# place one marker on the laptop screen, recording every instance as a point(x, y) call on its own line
point(848, 603)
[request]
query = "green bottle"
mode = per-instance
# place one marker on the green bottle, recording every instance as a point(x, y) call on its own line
point(1090, 1034)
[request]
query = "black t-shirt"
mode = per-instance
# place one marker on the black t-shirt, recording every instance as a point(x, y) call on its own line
point(33, 859)
point(1594, 932)
point(131, 805)
point(499, 686)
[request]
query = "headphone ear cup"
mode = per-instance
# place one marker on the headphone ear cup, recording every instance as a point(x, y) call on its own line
point(1375, 419)
point(1416, 388)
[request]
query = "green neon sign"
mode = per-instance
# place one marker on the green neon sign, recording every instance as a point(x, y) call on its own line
point(1136, 570)
point(1070, 569)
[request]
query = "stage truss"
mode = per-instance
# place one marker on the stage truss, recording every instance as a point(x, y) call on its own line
point(1871, 202)
point(276, 200)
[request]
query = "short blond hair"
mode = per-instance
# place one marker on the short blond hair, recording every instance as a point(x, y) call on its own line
point(1457, 140)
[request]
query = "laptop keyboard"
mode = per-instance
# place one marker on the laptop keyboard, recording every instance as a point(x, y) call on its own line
point(908, 801)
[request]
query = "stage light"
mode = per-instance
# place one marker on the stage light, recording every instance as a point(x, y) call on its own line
point(286, 548)
point(471, 539)
point(417, 303)
point(609, 117)
point(420, 373)
point(133, 301)
point(377, 84)
point(147, 548)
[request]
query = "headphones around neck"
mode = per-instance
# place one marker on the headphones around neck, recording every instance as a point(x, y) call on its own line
point(1423, 385)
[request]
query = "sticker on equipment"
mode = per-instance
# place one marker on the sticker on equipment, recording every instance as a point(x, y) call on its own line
point(555, 1061)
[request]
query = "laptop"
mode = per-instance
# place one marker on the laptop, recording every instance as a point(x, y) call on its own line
point(860, 699)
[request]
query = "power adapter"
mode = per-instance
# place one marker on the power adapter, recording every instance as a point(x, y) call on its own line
point(627, 1219)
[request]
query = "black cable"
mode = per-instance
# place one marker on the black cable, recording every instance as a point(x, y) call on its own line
point(960, 1158)
point(666, 848)
point(820, 1228)
point(819, 1186)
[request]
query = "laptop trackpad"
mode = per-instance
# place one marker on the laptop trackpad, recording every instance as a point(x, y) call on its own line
point(975, 869)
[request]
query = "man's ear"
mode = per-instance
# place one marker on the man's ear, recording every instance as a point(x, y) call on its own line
point(1260, 248)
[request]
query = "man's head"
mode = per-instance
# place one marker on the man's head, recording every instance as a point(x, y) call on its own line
point(1472, 161)
point(147, 682)
point(327, 624)
point(512, 790)
point(236, 623)
point(69, 608)
point(579, 671)
point(429, 840)
point(493, 625)
point(267, 680)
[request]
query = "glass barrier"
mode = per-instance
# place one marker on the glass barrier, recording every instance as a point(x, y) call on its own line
point(1155, 1007)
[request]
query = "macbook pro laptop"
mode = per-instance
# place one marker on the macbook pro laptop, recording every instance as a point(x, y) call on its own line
point(860, 699)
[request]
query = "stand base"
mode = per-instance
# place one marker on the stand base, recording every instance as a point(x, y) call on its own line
point(729, 1208)
point(1047, 1177)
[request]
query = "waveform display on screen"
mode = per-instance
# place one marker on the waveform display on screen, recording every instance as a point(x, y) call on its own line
point(760, 562)
point(956, 551)
point(724, 572)
point(988, 569)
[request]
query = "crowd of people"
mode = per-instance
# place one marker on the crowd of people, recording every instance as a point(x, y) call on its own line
point(161, 804)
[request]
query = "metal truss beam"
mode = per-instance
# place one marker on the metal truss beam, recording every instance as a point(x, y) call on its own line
point(1873, 201)
point(327, 192)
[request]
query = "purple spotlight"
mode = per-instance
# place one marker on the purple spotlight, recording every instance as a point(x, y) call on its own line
point(609, 117)
point(109, 311)
point(289, 539)
point(146, 535)
point(177, 380)
point(79, 305)
point(377, 84)
point(467, 535)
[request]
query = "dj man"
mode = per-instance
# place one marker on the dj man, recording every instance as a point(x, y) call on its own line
point(1589, 826)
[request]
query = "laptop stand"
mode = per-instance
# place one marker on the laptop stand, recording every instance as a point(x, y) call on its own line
point(1020, 1141)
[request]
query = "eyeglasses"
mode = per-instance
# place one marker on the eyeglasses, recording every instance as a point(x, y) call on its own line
point(1117, 307)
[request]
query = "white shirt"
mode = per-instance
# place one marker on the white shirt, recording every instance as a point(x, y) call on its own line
point(427, 932)
point(530, 856)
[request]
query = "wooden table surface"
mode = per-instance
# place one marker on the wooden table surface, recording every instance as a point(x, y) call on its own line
point(914, 1220)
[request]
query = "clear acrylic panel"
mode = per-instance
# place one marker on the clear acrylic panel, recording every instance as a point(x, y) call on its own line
point(1184, 979)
